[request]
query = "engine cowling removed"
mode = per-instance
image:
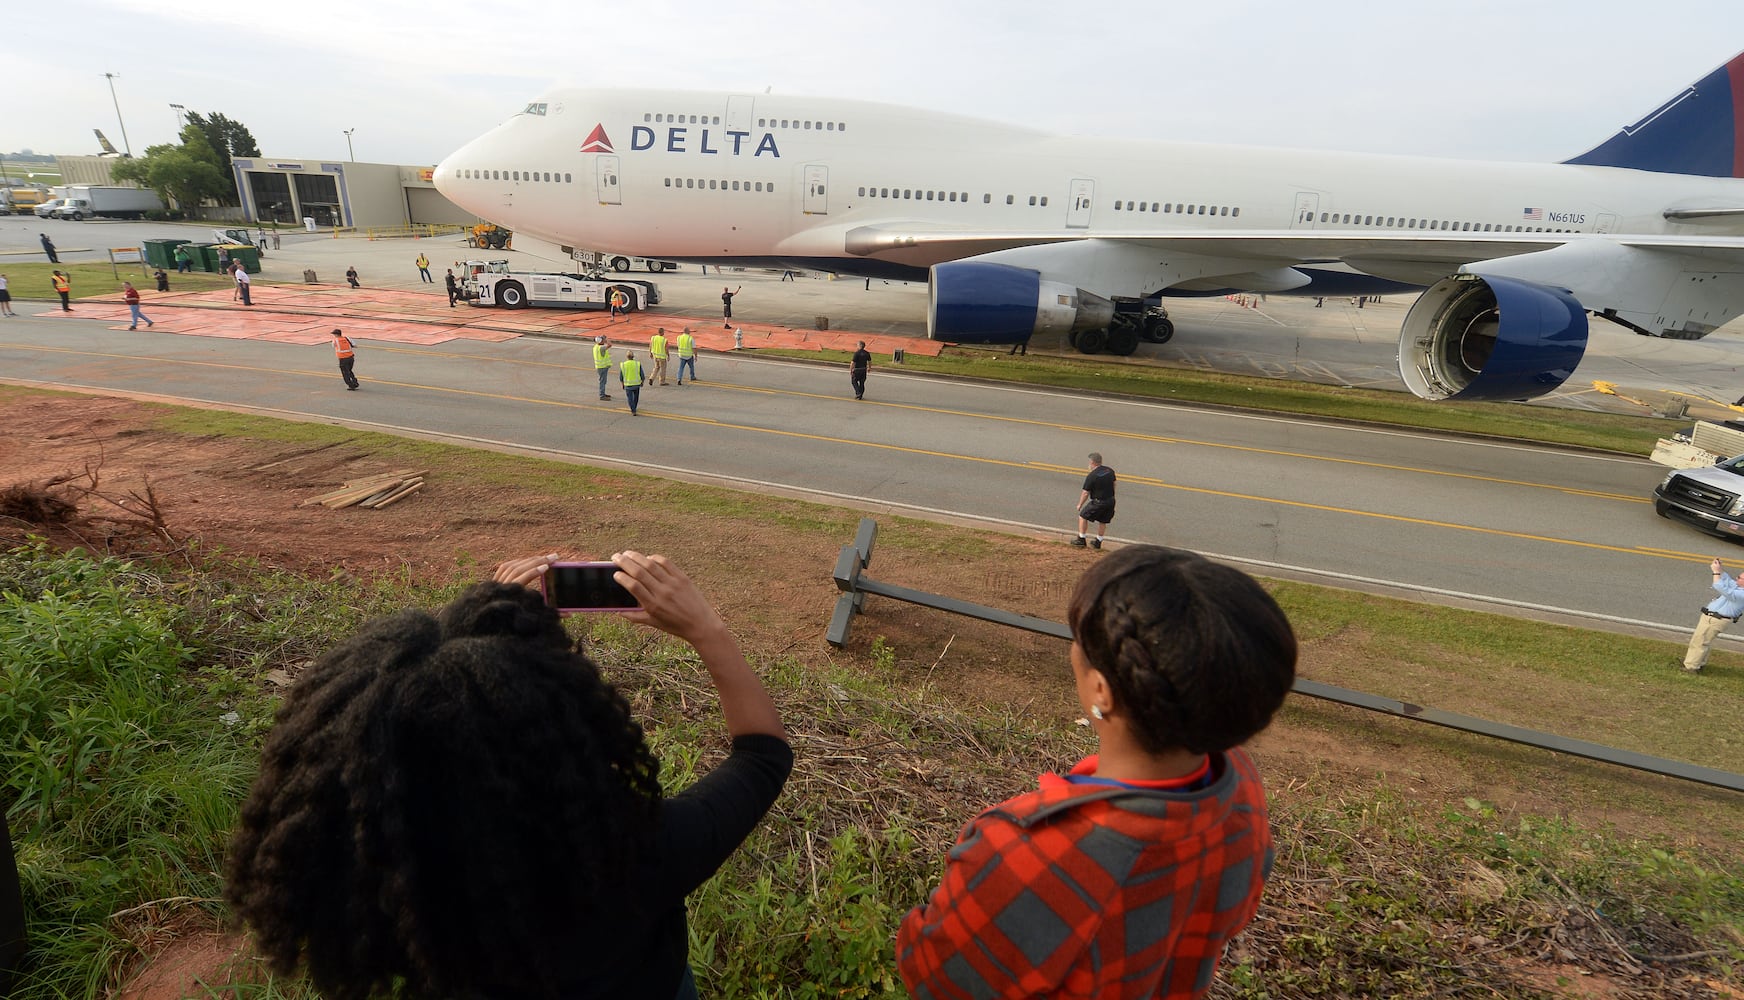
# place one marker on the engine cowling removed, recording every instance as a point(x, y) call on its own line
point(1490, 338)
point(978, 302)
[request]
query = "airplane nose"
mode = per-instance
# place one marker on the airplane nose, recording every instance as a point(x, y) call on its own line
point(443, 178)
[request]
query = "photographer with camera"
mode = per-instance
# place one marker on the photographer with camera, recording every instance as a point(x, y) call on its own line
point(462, 803)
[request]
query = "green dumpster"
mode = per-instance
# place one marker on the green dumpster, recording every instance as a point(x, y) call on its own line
point(203, 255)
point(249, 256)
point(162, 253)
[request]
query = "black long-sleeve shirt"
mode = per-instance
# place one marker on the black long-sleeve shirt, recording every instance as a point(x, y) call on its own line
point(699, 828)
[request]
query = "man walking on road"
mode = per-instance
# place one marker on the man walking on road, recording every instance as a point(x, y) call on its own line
point(857, 368)
point(630, 375)
point(1720, 612)
point(727, 304)
point(48, 247)
point(602, 363)
point(686, 355)
point(657, 348)
point(1096, 502)
point(347, 357)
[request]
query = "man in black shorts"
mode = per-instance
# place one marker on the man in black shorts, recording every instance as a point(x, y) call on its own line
point(1096, 503)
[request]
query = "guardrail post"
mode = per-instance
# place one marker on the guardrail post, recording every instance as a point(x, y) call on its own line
point(849, 562)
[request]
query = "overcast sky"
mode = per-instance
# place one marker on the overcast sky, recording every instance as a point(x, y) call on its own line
point(1495, 79)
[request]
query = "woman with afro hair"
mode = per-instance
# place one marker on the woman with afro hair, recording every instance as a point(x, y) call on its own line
point(460, 806)
point(1125, 877)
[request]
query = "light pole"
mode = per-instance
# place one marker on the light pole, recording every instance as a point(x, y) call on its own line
point(348, 148)
point(124, 143)
point(181, 118)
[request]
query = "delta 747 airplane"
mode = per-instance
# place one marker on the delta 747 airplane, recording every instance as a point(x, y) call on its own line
point(1019, 232)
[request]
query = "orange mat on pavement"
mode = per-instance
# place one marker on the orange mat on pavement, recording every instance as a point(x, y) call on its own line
point(304, 314)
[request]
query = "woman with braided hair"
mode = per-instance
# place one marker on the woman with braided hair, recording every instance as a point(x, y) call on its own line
point(460, 806)
point(1126, 876)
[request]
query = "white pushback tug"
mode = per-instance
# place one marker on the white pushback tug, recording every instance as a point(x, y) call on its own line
point(492, 283)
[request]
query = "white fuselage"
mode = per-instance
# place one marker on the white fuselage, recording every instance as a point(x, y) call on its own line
point(796, 180)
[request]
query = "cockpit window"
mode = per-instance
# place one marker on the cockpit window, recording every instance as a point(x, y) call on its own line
point(536, 108)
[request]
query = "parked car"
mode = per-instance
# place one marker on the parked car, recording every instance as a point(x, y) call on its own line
point(46, 210)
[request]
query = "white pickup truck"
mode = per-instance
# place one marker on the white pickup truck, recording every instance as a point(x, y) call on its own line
point(1704, 490)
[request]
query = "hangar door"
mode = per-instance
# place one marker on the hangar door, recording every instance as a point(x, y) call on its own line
point(427, 206)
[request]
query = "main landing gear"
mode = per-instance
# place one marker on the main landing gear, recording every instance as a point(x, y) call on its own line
point(1133, 321)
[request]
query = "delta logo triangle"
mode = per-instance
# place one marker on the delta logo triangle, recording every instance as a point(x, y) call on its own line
point(597, 141)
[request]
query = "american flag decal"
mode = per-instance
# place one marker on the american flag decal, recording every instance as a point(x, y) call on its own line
point(1533, 214)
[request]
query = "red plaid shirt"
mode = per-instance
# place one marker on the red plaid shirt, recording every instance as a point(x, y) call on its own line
point(1089, 890)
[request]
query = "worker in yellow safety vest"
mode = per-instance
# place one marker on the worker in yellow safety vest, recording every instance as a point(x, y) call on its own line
point(630, 374)
point(657, 348)
point(686, 355)
point(63, 286)
point(602, 362)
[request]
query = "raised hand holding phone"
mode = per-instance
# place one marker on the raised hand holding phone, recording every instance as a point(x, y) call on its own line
point(586, 586)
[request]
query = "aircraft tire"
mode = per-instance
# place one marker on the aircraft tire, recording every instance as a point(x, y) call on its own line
point(510, 295)
point(1123, 341)
point(1160, 332)
point(620, 264)
point(1090, 341)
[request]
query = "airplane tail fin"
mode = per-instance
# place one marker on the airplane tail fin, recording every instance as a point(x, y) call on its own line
point(1700, 131)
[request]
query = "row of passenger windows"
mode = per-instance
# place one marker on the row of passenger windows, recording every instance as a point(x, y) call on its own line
point(1393, 222)
point(962, 196)
point(713, 185)
point(798, 123)
point(1177, 208)
point(515, 175)
point(802, 124)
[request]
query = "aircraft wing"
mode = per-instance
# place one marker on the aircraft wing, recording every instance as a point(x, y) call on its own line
point(1411, 256)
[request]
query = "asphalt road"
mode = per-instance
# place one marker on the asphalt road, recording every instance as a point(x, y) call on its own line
point(1497, 525)
point(1503, 526)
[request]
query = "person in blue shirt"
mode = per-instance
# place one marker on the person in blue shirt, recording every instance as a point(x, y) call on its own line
point(1720, 612)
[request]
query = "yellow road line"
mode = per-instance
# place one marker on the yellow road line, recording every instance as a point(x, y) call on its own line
point(903, 449)
point(1098, 431)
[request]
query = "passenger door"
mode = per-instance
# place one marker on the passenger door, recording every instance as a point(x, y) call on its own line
point(1078, 214)
point(817, 181)
point(606, 179)
point(1307, 207)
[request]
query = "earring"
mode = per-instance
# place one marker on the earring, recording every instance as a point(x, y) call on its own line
point(1096, 713)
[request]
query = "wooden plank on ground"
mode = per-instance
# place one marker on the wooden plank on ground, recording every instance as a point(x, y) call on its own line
point(397, 497)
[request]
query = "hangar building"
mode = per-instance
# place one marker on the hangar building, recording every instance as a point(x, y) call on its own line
point(363, 195)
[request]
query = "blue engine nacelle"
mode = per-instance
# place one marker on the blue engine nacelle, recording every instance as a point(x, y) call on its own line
point(979, 302)
point(1490, 338)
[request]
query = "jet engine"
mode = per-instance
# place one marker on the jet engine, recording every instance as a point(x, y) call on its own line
point(978, 302)
point(1490, 338)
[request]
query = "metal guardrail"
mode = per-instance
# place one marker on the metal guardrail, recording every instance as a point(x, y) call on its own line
point(855, 585)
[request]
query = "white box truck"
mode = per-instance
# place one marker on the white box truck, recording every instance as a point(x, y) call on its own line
point(88, 201)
